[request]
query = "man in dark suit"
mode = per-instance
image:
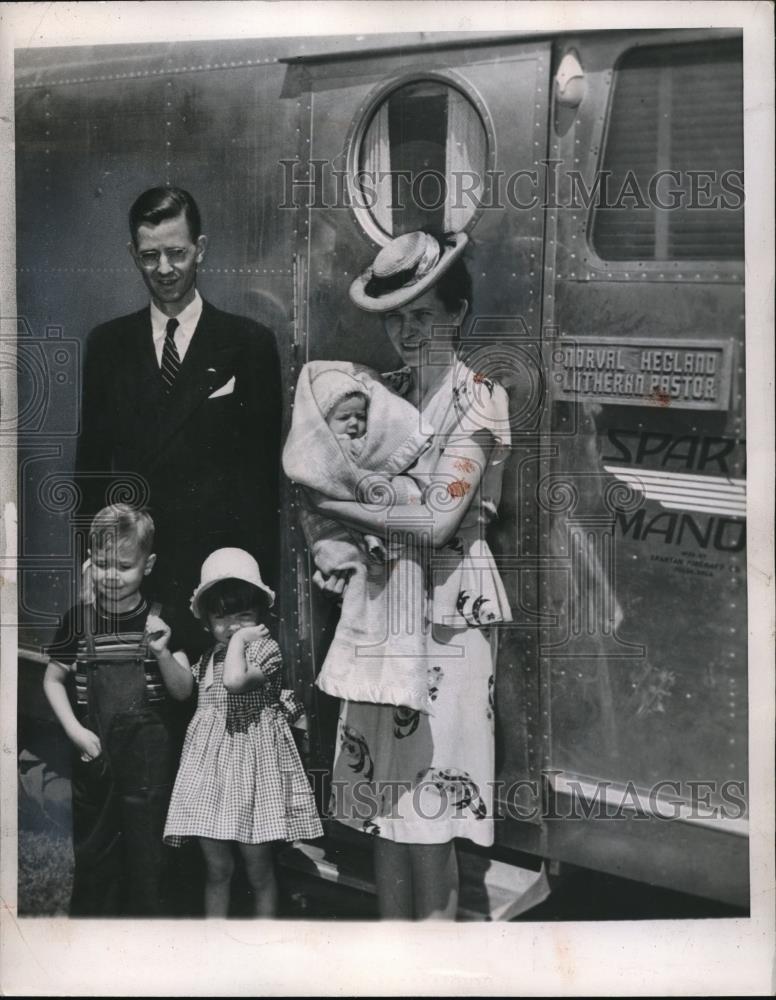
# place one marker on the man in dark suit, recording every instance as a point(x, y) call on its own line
point(184, 400)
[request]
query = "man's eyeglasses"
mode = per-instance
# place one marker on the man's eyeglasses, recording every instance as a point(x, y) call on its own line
point(150, 258)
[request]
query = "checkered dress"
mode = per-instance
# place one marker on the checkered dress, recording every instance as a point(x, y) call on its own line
point(240, 776)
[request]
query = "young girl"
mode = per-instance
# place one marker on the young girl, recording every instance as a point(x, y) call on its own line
point(240, 780)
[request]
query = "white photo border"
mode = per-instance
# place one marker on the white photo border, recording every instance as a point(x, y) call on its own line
point(46, 957)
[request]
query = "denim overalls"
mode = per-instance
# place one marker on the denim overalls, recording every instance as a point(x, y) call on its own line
point(120, 798)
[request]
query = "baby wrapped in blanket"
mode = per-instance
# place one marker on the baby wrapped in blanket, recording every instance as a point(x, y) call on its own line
point(352, 438)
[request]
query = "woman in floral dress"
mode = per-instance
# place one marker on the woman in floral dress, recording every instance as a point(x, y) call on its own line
point(416, 781)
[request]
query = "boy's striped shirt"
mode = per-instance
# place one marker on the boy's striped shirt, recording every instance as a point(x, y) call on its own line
point(117, 637)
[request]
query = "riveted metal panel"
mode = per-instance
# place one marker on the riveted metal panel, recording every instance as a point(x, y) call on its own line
point(626, 661)
point(647, 668)
point(88, 142)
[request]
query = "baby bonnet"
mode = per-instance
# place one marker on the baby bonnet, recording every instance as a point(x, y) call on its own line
point(331, 386)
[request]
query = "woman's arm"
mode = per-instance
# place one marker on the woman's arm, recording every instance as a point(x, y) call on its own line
point(447, 496)
point(241, 676)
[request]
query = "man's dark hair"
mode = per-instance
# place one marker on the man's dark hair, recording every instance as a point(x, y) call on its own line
point(160, 203)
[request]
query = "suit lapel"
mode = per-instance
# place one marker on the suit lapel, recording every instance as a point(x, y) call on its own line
point(142, 354)
point(208, 364)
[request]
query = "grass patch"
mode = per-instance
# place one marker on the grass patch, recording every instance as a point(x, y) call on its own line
point(45, 873)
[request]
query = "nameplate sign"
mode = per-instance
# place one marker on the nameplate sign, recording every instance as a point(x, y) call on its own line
point(686, 374)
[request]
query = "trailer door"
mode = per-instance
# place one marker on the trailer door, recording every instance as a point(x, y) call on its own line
point(449, 135)
point(644, 495)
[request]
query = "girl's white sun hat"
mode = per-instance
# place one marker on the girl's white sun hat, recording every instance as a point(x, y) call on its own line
point(408, 266)
point(228, 564)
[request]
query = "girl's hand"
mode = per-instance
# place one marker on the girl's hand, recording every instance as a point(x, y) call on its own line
point(333, 583)
point(87, 742)
point(242, 672)
point(250, 633)
point(158, 632)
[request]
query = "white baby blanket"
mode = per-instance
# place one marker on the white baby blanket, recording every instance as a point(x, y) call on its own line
point(378, 650)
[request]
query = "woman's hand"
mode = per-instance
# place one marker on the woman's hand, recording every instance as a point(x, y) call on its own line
point(87, 742)
point(158, 632)
point(332, 583)
point(311, 499)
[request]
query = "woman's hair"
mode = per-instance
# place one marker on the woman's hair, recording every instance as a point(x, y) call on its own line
point(161, 203)
point(455, 285)
point(452, 288)
point(233, 597)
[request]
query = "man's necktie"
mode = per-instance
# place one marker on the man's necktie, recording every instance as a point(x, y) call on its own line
point(171, 361)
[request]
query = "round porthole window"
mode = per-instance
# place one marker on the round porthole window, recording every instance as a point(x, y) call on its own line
point(421, 161)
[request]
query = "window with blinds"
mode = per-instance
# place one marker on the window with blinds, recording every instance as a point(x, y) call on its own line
point(674, 157)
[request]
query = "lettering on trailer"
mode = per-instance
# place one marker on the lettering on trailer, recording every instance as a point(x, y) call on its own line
point(687, 374)
point(723, 533)
point(708, 454)
point(690, 478)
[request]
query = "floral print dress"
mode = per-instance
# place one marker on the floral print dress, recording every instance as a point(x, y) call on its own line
point(426, 778)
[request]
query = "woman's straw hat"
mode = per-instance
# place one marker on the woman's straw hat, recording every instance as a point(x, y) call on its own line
point(405, 269)
point(228, 564)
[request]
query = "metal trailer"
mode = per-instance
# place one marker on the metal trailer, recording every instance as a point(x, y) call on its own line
point(616, 322)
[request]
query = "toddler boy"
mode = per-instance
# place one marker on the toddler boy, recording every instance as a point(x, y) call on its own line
point(106, 684)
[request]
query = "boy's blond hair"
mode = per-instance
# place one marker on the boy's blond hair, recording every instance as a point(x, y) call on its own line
point(120, 523)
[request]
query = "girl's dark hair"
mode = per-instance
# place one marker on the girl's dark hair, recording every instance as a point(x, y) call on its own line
point(161, 203)
point(454, 286)
point(233, 597)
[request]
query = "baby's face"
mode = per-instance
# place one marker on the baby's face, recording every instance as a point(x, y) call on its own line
point(349, 417)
